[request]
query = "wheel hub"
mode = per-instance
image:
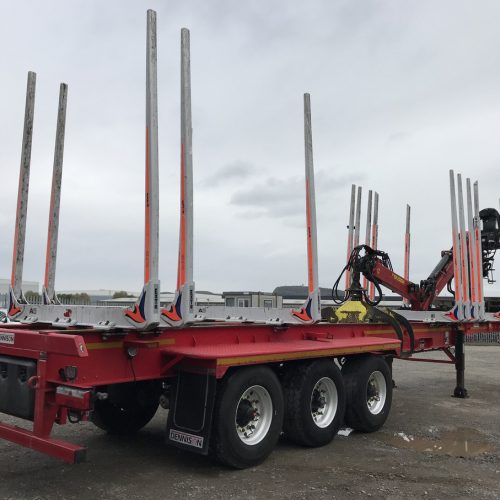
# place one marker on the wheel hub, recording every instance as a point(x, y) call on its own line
point(318, 401)
point(376, 392)
point(254, 415)
point(324, 401)
point(246, 413)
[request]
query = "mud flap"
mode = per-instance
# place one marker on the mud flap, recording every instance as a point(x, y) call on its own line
point(190, 417)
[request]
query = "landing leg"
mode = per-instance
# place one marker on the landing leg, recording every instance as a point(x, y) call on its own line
point(460, 390)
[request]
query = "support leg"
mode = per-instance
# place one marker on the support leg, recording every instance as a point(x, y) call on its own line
point(460, 390)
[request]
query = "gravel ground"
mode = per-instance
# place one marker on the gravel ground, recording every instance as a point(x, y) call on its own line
point(432, 446)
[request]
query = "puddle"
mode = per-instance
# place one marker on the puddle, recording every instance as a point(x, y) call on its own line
point(464, 443)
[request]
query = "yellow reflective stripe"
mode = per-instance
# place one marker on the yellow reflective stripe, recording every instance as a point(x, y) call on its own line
point(306, 354)
point(104, 345)
point(170, 341)
point(119, 344)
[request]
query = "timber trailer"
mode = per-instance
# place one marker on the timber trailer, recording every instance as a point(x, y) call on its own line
point(233, 378)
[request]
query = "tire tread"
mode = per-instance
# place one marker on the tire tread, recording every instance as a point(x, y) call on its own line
point(296, 426)
point(220, 443)
point(354, 370)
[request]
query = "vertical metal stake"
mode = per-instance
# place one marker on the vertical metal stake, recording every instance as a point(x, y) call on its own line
point(357, 224)
point(407, 249)
point(181, 310)
point(463, 251)
point(374, 240)
point(350, 234)
point(312, 239)
point(185, 270)
point(479, 253)
point(22, 194)
point(471, 236)
point(152, 180)
point(457, 258)
point(55, 201)
point(368, 227)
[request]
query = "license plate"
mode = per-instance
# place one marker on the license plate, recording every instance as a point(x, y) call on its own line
point(185, 438)
point(7, 338)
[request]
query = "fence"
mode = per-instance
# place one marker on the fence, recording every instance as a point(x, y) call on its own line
point(483, 338)
point(37, 300)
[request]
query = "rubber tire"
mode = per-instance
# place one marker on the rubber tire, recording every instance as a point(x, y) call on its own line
point(129, 407)
point(298, 384)
point(227, 447)
point(357, 372)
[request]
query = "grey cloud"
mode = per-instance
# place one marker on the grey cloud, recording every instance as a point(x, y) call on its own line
point(232, 172)
point(284, 198)
point(398, 137)
point(272, 191)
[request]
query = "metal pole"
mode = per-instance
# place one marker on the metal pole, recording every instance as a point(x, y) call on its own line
point(185, 264)
point(145, 312)
point(152, 199)
point(368, 227)
point(350, 234)
point(312, 242)
point(407, 249)
point(479, 253)
point(181, 310)
point(357, 224)
point(460, 390)
point(22, 194)
point(471, 235)
point(374, 239)
point(457, 256)
point(463, 250)
point(368, 218)
point(55, 199)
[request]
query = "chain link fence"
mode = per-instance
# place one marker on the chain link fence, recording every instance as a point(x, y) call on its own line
point(78, 300)
point(483, 338)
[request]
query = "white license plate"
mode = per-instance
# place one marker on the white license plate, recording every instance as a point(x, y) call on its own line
point(185, 438)
point(7, 338)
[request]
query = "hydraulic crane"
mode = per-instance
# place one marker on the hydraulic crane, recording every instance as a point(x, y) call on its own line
point(375, 266)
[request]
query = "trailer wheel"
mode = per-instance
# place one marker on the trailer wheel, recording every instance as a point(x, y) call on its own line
point(368, 385)
point(248, 417)
point(128, 407)
point(314, 402)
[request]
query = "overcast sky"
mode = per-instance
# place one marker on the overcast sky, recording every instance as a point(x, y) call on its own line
point(401, 92)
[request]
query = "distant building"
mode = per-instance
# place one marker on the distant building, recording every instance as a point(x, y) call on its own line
point(28, 286)
point(252, 299)
point(202, 298)
point(295, 295)
point(301, 292)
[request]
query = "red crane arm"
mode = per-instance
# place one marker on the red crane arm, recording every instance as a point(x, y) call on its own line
point(420, 296)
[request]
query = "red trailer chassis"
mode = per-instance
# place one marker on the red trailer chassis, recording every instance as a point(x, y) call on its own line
point(72, 365)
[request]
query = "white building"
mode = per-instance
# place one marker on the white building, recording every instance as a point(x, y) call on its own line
point(166, 298)
point(28, 286)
